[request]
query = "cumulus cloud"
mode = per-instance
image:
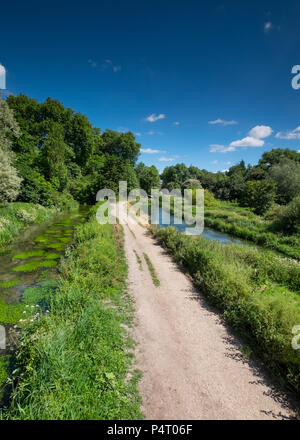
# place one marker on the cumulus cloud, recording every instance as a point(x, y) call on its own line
point(256, 134)
point(222, 122)
point(260, 131)
point(248, 141)
point(166, 159)
point(216, 148)
point(151, 151)
point(176, 123)
point(292, 134)
point(153, 117)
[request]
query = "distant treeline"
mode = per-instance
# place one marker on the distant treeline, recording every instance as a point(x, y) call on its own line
point(275, 179)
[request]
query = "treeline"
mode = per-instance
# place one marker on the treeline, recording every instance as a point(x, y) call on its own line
point(50, 155)
point(276, 178)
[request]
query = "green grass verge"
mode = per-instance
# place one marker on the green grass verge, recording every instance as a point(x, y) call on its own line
point(153, 273)
point(138, 259)
point(75, 362)
point(262, 305)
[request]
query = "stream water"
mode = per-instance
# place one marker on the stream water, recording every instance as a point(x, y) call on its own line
point(209, 234)
point(37, 249)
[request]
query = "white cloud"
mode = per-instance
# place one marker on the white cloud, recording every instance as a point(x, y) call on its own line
point(215, 148)
point(222, 122)
point(298, 151)
point(154, 117)
point(293, 134)
point(224, 171)
point(228, 163)
point(166, 159)
point(108, 64)
point(260, 131)
point(151, 151)
point(176, 123)
point(215, 162)
point(92, 63)
point(269, 26)
point(138, 134)
point(248, 141)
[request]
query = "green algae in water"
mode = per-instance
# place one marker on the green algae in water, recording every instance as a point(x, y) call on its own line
point(40, 295)
point(5, 252)
point(51, 256)
point(53, 231)
point(42, 239)
point(30, 254)
point(10, 313)
point(34, 265)
point(8, 284)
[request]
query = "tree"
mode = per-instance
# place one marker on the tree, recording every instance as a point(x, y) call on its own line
point(9, 179)
point(8, 126)
point(259, 194)
point(276, 155)
point(54, 156)
point(286, 175)
point(148, 177)
point(122, 145)
point(176, 174)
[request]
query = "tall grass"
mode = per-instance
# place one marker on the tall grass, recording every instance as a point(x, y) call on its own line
point(262, 304)
point(75, 362)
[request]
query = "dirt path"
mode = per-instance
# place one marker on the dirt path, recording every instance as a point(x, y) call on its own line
point(192, 365)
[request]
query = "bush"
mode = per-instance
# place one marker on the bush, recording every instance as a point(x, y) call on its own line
point(288, 219)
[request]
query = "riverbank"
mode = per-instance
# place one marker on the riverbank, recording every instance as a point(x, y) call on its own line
point(75, 362)
point(231, 219)
point(257, 293)
point(16, 216)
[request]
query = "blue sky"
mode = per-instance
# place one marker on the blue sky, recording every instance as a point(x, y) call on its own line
point(191, 79)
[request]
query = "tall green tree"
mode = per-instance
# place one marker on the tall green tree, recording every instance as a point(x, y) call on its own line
point(148, 177)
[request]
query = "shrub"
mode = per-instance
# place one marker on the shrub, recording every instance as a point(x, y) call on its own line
point(288, 219)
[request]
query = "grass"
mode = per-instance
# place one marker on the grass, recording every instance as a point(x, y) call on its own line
point(263, 305)
point(131, 231)
point(138, 259)
point(75, 362)
point(153, 273)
